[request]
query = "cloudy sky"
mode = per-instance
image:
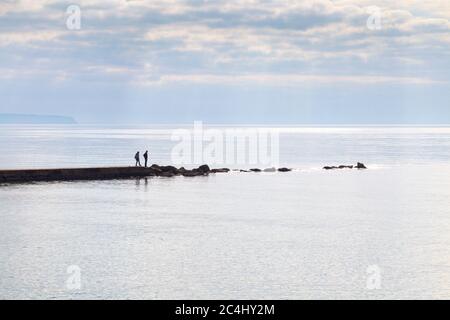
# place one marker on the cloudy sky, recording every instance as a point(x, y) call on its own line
point(234, 61)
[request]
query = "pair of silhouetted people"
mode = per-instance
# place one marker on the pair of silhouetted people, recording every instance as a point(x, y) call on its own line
point(137, 157)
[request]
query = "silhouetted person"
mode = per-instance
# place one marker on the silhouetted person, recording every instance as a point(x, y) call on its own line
point(138, 159)
point(146, 158)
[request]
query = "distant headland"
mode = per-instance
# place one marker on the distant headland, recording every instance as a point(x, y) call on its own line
point(13, 118)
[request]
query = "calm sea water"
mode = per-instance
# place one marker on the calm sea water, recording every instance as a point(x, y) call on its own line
point(310, 233)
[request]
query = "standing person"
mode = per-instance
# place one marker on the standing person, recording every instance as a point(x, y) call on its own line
point(146, 157)
point(137, 158)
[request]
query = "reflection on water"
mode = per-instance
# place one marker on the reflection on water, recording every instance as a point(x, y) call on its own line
point(303, 234)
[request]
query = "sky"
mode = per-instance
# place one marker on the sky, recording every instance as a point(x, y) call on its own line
point(246, 61)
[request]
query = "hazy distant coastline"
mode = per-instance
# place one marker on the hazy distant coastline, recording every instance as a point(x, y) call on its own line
point(11, 118)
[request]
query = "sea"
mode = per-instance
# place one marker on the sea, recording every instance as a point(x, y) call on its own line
point(379, 233)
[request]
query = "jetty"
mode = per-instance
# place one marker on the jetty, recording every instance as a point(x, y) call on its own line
point(102, 173)
point(112, 173)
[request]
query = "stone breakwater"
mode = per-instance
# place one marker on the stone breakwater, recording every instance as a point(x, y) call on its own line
point(110, 173)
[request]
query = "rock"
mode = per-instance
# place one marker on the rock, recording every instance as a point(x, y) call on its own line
point(171, 169)
point(204, 168)
point(155, 169)
point(284, 169)
point(255, 170)
point(192, 173)
point(273, 169)
point(166, 174)
point(360, 165)
point(221, 170)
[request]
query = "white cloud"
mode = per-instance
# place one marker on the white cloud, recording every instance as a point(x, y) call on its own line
point(250, 40)
point(283, 79)
point(28, 37)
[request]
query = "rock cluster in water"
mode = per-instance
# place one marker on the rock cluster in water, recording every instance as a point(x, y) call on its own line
point(169, 171)
point(203, 170)
point(359, 165)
